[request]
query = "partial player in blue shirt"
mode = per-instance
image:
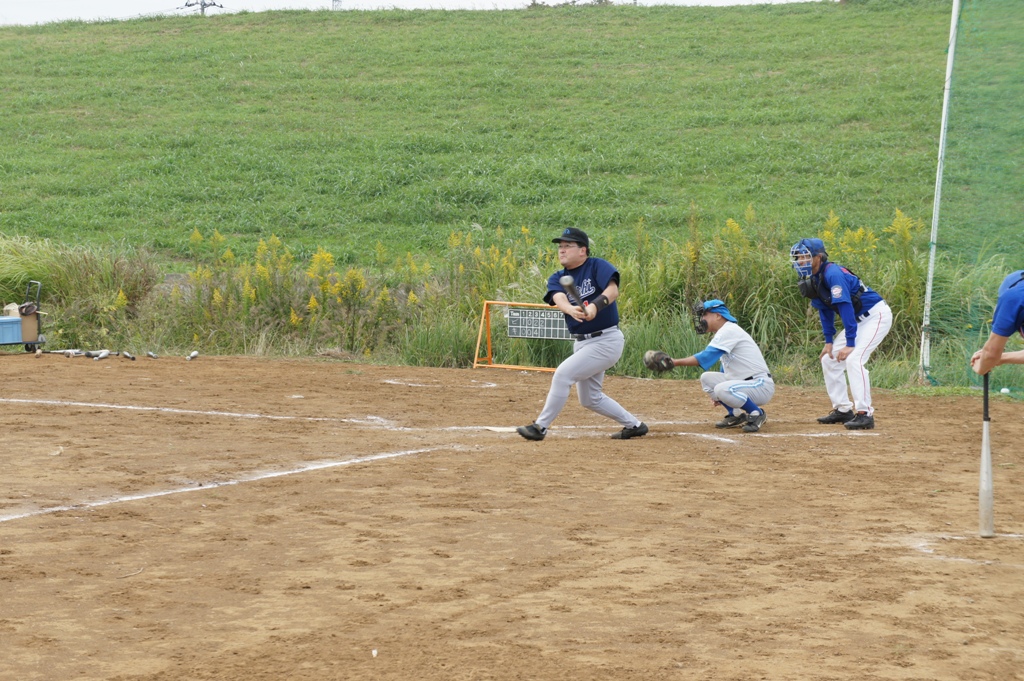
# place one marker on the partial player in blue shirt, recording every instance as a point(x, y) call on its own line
point(1007, 320)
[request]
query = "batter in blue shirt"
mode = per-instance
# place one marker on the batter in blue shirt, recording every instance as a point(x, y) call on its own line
point(594, 324)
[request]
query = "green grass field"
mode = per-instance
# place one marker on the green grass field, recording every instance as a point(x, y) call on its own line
point(341, 129)
point(410, 165)
point(982, 198)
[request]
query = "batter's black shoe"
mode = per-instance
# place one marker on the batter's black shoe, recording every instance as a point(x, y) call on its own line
point(731, 421)
point(862, 421)
point(634, 431)
point(836, 416)
point(532, 432)
point(754, 423)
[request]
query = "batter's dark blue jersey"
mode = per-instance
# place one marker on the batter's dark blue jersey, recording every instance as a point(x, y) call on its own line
point(592, 278)
point(837, 287)
point(1009, 315)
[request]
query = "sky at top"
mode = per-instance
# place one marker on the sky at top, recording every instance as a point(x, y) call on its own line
point(29, 12)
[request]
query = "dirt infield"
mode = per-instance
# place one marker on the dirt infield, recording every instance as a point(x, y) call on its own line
point(238, 518)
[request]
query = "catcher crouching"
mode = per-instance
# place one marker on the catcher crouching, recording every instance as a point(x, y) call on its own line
point(744, 384)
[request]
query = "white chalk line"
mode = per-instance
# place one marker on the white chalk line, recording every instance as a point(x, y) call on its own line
point(847, 434)
point(369, 420)
point(395, 381)
point(601, 433)
point(213, 485)
point(386, 424)
point(924, 545)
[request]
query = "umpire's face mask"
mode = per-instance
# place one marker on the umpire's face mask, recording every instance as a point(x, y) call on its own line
point(700, 324)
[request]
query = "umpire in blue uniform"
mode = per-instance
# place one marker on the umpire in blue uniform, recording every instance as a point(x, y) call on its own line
point(1007, 319)
point(867, 319)
point(594, 325)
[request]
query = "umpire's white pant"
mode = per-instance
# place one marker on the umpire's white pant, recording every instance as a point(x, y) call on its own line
point(871, 331)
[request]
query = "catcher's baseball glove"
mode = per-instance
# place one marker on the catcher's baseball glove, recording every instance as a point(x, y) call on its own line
point(659, 361)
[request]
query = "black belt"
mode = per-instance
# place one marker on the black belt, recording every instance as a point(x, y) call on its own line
point(751, 378)
point(585, 336)
point(865, 313)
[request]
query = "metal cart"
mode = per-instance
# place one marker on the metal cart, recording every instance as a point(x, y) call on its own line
point(25, 328)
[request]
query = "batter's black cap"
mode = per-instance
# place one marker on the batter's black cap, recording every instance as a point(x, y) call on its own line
point(575, 235)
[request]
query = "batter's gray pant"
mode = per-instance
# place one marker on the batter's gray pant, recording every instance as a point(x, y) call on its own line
point(732, 393)
point(585, 368)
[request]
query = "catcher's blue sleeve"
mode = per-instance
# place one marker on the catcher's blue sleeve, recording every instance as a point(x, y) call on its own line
point(708, 357)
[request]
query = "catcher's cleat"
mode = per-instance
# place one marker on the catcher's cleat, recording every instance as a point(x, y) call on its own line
point(532, 432)
point(862, 421)
point(633, 431)
point(731, 421)
point(754, 423)
point(836, 416)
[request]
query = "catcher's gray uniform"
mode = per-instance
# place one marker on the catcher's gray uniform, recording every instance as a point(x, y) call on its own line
point(744, 372)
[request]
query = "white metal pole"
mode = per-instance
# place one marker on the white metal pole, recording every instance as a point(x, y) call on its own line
point(926, 351)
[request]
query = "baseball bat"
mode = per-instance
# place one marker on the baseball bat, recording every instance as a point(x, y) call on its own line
point(569, 285)
point(152, 355)
point(192, 356)
point(103, 354)
point(986, 520)
point(128, 355)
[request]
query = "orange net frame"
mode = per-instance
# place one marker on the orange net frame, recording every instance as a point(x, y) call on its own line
point(545, 322)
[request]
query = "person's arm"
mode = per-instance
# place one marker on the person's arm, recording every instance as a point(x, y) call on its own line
point(561, 301)
point(611, 292)
point(705, 359)
point(828, 328)
point(991, 355)
point(849, 317)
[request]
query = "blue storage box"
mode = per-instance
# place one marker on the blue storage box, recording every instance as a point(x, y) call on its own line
point(10, 330)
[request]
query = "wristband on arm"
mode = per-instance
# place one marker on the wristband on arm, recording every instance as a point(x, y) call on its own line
point(601, 302)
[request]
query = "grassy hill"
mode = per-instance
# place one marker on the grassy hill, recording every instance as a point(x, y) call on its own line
point(342, 129)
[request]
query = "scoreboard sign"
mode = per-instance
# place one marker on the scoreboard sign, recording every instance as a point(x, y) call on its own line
point(537, 324)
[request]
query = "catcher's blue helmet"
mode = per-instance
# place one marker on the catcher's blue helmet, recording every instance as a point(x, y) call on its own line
point(718, 306)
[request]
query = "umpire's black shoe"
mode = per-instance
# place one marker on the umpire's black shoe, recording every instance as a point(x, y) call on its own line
point(532, 432)
point(633, 431)
point(754, 422)
point(731, 421)
point(862, 421)
point(836, 416)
